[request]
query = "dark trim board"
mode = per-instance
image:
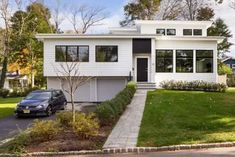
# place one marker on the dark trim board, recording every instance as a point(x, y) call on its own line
point(142, 46)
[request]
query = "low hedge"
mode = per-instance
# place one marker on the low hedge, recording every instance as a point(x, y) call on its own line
point(17, 92)
point(194, 85)
point(109, 111)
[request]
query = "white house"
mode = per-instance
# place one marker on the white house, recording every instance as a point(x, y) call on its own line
point(150, 52)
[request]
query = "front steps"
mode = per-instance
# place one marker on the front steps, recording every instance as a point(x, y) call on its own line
point(146, 85)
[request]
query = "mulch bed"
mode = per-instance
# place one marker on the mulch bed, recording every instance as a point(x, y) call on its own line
point(68, 141)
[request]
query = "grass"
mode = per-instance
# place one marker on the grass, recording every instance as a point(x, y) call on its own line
point(187, 117)
point(7, 106)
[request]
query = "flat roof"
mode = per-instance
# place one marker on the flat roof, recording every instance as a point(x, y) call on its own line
point(126, 36)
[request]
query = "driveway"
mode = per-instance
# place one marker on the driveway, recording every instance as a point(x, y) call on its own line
point(215, 152)
point(11, 126)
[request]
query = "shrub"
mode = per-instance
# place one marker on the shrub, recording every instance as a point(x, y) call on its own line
point(231, 80)
point(4, 92)
point(44, 130)
point(18, 144)
point(193, 85)
point(224, 69)
point(85, 126)
point(109, 111)
point(64, 118)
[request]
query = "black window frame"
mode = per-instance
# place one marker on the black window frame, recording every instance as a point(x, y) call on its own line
point(205, 57)
point(197, 34)
point(164, 58)
point(66, 52)
point(162, 29)
point(181, 58)
point(185, 33)
point(169, 30)
point(96, 50)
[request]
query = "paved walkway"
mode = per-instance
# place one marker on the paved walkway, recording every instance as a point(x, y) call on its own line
point(126, 131)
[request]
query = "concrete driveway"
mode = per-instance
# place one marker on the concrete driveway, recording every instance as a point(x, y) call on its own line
point(11, 126)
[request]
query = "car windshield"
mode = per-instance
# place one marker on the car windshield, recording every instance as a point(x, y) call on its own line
point(38, 96)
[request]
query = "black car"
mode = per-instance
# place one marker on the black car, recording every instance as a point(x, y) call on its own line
point(41, 102)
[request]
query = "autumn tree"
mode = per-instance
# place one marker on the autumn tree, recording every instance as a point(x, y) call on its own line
point(205, 13)
point(5, 16)
point(140, 10)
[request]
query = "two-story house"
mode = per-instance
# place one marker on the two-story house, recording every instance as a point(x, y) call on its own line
point(150, 51)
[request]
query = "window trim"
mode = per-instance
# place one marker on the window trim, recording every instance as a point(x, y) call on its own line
point(96, 46)
point(176, 60)
point(170, 34)
point(66, 47)
point(172, 50)
point(233, 66)
point(212, 61)
point(188, 34)
point(196, 34)
point(161, 29)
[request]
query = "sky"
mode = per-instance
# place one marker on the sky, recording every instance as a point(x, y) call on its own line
point(114, 11)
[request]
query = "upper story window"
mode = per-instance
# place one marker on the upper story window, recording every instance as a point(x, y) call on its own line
point(106, 53)
point(187, 32)
point(197, 32)
point(72, 53)
point(161, 31)
point(171, 32)
point(164, 60)
point(204, 61)
point(184, 61)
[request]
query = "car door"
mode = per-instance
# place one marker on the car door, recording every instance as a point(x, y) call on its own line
point(55, 101)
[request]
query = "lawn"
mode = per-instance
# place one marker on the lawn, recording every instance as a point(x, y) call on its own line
point(187, 117)
point(7, 106)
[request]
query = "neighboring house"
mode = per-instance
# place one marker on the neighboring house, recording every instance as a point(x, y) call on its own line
point(15, 80)
point(230, 61)
point(150, 51)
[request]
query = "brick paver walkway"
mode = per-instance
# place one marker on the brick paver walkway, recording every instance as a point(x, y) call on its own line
point(126, 131)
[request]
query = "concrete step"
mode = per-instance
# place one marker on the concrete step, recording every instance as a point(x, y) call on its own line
point(146, 85)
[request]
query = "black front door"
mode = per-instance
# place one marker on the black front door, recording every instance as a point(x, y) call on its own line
point(142, 69)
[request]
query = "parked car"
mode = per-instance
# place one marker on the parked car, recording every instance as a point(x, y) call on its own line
point(41, 102)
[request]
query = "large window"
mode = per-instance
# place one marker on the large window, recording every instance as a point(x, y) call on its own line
point(188, 32)
point(72, 54)
point(106, 53)
point(184, 61)
point(171, 32)
point(204, 60)
point(161, 31)
point(164, 60)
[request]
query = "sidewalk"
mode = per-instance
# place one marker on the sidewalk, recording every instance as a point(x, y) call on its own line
point(126, 131)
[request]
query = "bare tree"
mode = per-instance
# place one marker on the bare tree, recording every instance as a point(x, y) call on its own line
point(56, 17)
point(190, 8)
point(71, 79)
point(89, 16)
point(169, 9)
point(5, 15)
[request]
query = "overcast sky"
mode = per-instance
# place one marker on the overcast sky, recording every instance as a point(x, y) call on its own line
point(114, 9)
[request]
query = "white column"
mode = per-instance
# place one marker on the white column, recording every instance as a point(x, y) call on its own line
point(153, 61)
point(174, 61)
point(194, 61)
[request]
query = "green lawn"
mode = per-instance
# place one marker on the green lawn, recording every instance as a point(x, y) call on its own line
point(7, 106)
point(187, 117)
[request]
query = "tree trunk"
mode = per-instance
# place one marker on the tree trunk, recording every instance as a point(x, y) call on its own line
point(73, 106)
point(4, 71)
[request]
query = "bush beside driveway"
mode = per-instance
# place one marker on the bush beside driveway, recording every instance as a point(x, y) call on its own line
point(187, 117)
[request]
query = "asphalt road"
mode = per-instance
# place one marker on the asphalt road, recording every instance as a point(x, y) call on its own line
point(11, 126)
point(215, 152)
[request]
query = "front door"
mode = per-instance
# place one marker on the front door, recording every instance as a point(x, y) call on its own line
point(142, 69)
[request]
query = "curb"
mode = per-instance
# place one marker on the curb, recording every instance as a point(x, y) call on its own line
point(129, 150)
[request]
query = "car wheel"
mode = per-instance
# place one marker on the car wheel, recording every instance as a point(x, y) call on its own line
point(49, 111)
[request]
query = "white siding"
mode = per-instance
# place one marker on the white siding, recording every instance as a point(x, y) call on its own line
point(192, 45)
point(91, 68)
